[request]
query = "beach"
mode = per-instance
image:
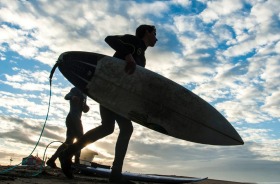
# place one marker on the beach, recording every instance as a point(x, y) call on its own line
point(46, 175)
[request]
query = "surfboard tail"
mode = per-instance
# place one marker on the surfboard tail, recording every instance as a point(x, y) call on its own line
point(78, 67)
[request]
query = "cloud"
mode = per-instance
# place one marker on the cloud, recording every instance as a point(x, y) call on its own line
point(32, 128)
point(24, 76)
point(19, 104)
point(218, 9)
point(226, 52)
point(139, 10)
point(198, 160)
point(183, 3)
point(263, 11)
point(271, 105)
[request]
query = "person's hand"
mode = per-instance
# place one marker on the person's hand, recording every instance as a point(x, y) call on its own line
point(130, 64)
point(85, 108)
point(130, 67)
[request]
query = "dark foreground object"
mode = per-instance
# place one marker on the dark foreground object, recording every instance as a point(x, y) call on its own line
point(48, 175)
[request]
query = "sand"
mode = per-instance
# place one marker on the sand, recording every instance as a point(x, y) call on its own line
point(47, 175)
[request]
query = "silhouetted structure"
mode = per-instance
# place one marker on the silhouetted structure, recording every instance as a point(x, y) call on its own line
point(32, 160)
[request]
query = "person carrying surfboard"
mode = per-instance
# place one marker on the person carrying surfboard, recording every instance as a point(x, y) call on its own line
point(131, 49)
point(73, 123)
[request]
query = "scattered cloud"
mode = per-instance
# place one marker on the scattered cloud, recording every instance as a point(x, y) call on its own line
point(227, 52)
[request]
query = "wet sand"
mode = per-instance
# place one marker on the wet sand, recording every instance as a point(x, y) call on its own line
point(47, 175)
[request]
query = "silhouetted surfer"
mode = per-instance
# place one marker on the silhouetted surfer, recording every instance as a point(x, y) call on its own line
point(73, 123)
point(131, 49)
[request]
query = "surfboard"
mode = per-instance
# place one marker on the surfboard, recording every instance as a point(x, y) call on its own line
point(137, 176)
point(147, 98)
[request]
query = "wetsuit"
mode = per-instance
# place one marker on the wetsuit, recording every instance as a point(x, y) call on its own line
point(73, 123)
point(128, 44)
point(73, 119)
point(123, 45)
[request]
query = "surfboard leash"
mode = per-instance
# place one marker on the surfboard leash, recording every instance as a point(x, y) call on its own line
point(49, 104)
point(53, 70)
point(50, 80)
point(44, 159)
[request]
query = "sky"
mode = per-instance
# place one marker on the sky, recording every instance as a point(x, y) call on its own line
point(225, 51)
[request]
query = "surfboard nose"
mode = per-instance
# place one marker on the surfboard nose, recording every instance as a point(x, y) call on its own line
point(238, 139)
point(230, 133)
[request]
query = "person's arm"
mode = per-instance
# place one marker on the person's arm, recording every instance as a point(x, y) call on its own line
point(130, 65)
point(124, 45)
point(72, 95)
point(68, 96)
point(85, 106)
point(121, 44)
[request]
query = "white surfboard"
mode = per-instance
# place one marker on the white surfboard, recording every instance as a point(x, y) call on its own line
point(147, 98)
